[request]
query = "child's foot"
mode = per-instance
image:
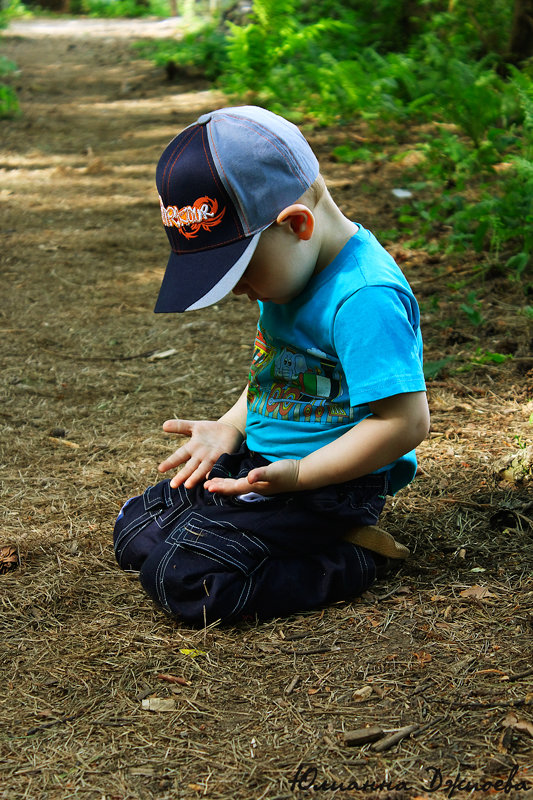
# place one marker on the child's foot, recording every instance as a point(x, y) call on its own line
point(378, 541)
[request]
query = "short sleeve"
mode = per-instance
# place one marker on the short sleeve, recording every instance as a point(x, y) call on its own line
point(378, 341)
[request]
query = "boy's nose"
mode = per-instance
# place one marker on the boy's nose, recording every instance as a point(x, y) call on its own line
point(239, 288)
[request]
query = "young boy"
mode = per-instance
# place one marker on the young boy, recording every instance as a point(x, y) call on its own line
point(262, 519)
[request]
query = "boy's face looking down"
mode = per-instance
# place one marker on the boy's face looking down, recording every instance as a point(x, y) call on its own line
point(285, 259)
point(303, 240)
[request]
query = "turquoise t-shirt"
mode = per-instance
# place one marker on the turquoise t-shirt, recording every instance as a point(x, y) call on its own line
point(350, 338)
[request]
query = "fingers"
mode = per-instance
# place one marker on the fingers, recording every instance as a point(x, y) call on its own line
point(228, 486)
point(182, 426)
point(191, 474)
point(279, 476)
point(257, 475)
point(185, 472)
point(180, 456)
point(235, 486)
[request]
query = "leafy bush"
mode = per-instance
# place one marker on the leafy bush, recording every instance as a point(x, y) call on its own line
point(12, 9)
point(8, 101)
point(472, 29)
point(503, 219)
point(123, 8)
point(115, 8)
point(277, 58)
point(8, 97)
point(203, 47)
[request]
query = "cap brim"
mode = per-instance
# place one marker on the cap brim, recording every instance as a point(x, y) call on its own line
point(197, 280)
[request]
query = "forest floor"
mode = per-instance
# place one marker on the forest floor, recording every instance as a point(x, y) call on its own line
point(444, 644)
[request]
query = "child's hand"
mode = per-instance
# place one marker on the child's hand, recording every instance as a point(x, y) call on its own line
point(207, 443)
point(275, 478)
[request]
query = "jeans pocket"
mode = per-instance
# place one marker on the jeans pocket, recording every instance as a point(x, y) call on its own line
point(237, 549)
point(158, 497)
point(154, 510)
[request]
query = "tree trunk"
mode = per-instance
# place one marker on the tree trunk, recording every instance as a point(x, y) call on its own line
point(521, 41)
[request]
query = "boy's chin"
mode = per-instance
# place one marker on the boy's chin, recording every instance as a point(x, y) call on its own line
point(280, 301)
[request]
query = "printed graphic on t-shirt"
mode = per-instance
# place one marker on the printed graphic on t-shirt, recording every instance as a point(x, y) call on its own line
point(301, 385)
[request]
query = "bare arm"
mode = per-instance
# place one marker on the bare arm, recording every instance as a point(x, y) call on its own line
point(236, 415)
point(208, 440)
point(397, 425)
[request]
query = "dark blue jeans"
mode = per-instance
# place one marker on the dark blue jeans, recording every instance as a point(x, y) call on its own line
point(204, 557)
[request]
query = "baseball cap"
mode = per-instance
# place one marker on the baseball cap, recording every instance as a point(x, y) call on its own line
point(221, 182)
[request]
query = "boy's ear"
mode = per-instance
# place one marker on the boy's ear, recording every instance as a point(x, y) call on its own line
point(300, 218)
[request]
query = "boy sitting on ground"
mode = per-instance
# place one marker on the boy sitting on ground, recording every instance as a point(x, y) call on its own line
point(262, 518)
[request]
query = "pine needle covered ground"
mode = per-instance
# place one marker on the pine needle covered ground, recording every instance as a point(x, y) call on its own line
point(103, 695)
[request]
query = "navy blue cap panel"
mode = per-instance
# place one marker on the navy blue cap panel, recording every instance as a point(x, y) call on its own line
point(186, 280)
point(196, 210)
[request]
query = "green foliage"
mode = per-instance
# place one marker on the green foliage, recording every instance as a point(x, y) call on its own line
point(8, 97)
point(433, 369)
point(114, 8)
point(471, 96)
point(473, 27)
point(6, 66)
point(123, 8)
point(347, 154)
point(472, 309)
point(8, 101)
point(486, 357)
point(12, 9)
point(203, 47)
point(277, 58)
point(502, 220)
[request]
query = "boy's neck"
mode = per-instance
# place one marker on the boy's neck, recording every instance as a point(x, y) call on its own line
point(334, 231)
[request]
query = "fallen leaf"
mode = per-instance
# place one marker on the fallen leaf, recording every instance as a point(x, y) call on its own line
point(159, 704)
point(174, 679)
point(66, 442)
point(479, 592)
point(8, 558)
point(162, 354)
point(522, 725)
point(362, 694)
point(423, 657)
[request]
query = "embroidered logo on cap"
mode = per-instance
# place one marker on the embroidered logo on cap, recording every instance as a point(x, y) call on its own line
point(188, 220)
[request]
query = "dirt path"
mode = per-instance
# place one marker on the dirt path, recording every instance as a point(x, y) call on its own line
point(90, 29)
point(445, 645)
